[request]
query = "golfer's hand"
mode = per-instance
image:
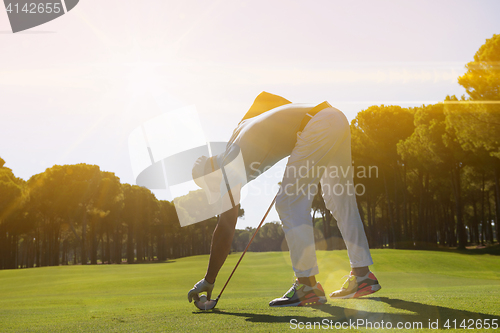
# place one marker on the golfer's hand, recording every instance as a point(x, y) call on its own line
point(199, 287)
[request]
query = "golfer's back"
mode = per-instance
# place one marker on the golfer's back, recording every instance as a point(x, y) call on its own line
point(267, 138)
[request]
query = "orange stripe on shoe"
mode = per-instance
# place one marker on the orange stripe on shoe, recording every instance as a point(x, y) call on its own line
point(311, 301)
point(365, 291)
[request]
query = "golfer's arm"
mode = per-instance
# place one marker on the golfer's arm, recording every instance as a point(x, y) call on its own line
point(221, 242)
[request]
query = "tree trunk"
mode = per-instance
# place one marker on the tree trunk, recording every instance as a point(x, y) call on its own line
point(37, 247)
point(45, 246)
point(407, 236)
point(118, 242)
point(15, 251)
point(453, 226)
point(474, 227)
point(130, 244)
point(83, 253)
point(368, 229)
point(65, 253)
point(2, 247)
point(488, 225)
point(397, 223)
point(427, 215)
point(75, 252)
point(140, 245)
point(411, 224)
point(420, 222)
point(483, 214)
point(57, 245)
point(497, 206)
point(456, 184)
point(107, 250)
point(93, 241)
point(389, 211)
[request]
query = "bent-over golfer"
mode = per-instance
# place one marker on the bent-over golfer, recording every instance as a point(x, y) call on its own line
point(318, 140)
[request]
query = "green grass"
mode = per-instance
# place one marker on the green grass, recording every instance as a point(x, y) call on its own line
point(416, 286)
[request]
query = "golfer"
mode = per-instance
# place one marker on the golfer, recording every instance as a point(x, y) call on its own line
point(317, 138)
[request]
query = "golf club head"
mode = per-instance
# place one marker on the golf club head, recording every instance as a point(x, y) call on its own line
point(208, 305)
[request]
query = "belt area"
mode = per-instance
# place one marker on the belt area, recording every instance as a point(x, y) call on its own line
point(312, 113)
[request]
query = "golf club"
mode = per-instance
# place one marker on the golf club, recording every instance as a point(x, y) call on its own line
point(210, 304)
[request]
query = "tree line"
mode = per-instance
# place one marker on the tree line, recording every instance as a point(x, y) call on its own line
point(439, 164)
point(437, 184)
point(438, 168)
point(74, 214)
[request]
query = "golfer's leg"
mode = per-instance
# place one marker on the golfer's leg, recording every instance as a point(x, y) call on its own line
point(293, 206)
point(339, 195)
point(308, 160)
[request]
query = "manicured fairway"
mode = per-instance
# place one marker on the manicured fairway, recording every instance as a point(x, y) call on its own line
point(417, 286)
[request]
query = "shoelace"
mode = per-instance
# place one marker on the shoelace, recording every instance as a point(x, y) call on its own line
point(294, 286)
point(348, 281)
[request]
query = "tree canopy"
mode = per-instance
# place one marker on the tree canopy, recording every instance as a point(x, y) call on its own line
point(435, 182)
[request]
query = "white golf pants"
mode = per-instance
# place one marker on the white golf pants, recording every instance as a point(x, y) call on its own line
point(322, 154)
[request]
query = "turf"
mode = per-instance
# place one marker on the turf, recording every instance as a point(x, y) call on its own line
point(417, 286)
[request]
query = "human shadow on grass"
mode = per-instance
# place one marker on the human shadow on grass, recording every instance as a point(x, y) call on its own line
point(414, 312)
point(426, 314)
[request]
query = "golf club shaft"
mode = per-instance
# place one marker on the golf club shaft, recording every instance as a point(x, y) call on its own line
point(248, 245)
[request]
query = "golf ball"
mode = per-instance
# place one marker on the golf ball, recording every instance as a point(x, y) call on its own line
point(203, 298)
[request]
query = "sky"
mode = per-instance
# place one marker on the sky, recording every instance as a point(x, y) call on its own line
point(73, 89)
